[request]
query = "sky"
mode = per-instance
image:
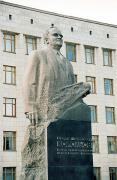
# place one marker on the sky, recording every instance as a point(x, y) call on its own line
point(98, 10)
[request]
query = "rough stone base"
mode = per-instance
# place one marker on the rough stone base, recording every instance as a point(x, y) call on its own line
point(34, 154)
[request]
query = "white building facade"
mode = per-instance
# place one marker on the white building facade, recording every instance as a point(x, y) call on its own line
point(92, 49)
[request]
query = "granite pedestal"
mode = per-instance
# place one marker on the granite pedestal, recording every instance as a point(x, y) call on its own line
point(70, 146)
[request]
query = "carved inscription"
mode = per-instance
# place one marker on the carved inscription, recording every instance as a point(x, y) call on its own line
point(73, 145)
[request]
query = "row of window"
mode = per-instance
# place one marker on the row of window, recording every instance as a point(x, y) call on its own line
point(10, 78)
point(89, 54)
point(10, 42)
point(52, 25)
point(10, 18)
point(9, 142)
point(72, 29)
point(108, 85)
point(9, 173)
point(31, 44)
point(111, 142)
point(109, 112)
point(9, 109)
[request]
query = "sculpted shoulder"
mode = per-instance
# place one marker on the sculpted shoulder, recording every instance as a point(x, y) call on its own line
point(38, 55)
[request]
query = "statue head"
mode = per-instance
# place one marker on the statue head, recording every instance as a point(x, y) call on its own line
point(53, 37)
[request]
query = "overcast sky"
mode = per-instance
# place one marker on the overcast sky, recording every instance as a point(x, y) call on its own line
point(99, 10)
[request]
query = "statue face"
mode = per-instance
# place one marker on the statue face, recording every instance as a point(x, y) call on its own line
point(55, 38)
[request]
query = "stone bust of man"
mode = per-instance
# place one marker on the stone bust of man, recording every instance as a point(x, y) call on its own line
point(49, 85)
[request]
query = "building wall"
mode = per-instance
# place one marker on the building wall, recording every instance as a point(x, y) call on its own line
point(21, 25)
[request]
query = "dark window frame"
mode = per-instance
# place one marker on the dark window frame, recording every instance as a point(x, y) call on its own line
point(92, 54)
point(111, 86)
point(97, 175)
point(111, 174)
point(112, 109)
point(92, 82)
point(12, 74)
point(12, 38)
point(13, 104)
point(9, 137)
point(74, 51)
point(95, 112)
point(96, 150)
point(13, 172)
point(33, 43)
point(109, 51)
point(110, 151)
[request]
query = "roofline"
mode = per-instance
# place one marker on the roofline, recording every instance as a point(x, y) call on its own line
point(57, 14)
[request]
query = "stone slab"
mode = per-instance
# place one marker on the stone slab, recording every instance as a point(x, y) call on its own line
point(70, 150)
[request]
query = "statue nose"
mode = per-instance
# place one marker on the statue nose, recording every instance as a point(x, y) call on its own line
point(59, 36)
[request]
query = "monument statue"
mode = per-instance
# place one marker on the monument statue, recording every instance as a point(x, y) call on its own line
point(50, 94)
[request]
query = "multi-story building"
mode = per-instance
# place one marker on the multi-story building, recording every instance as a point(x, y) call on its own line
point(92, 49)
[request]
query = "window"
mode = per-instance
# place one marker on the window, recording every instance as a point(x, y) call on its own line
point(9, 107)
point(91, 80)
point(9, 74)
point(112, 144)
point(96, 173)
point(89, 54)
point(110, 115)
point(108, 86)
point(71, 51)
point(10, 17)
point(72, 29)
point(9, 141)
point(95, 141)
point(9, 173)
point(107, 35)
point(93, 113)
point(52, 25)
point(31, 21)
point(107, 57)
point(75, 76)
point(9, 42)
point(90, 32)
point(113, 173)
point(31, 44)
